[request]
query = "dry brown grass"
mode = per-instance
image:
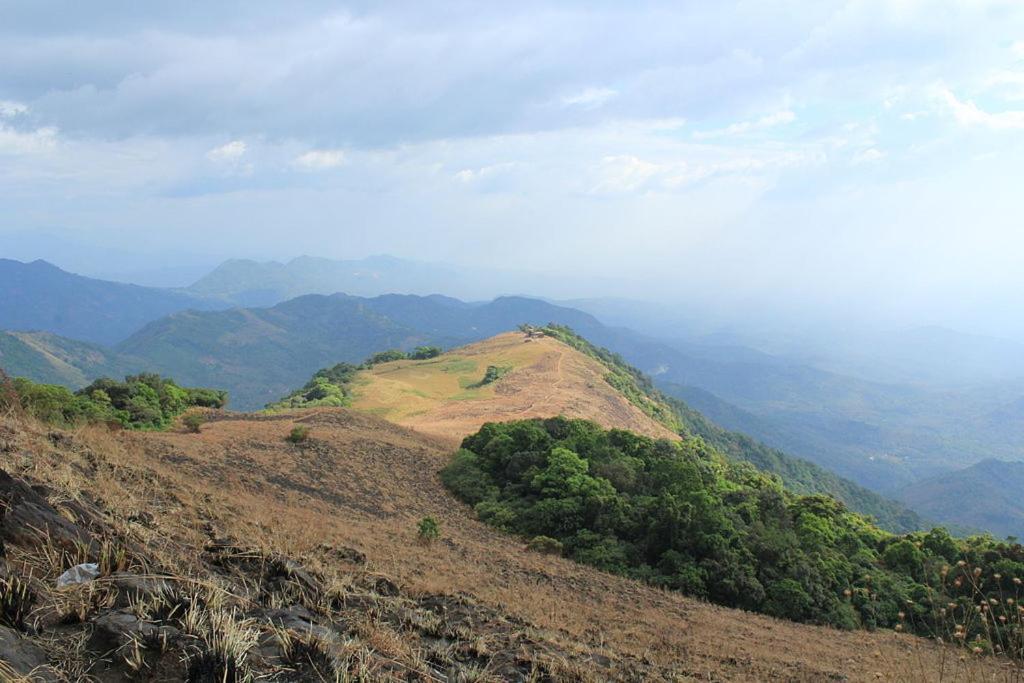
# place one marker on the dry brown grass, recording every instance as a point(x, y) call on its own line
point(363, 483)
point(547, 378)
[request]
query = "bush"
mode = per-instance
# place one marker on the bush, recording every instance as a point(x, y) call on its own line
point(424, 352)
point(428, 530)
point(145, 401)
point(384, 357)
point(328, 387)
point(493, 374)
point(193, 422)
point(545, 545)
point(299, 434)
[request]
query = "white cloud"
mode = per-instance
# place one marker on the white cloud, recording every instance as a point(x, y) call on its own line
point(1010, 84)
point(9, 109)
point(471, 175)
point(30, 142)
point(770, 121)
point(627, 173)
point(867, 156)
point(319, 159)
point(1018, 49)
point(589, 98)
point(630, 173)
point(969, 114)
point(229, 152)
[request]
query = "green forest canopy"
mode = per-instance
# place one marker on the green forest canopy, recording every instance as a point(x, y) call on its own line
point(683, 516)
point(800, 476)
point(144, 401)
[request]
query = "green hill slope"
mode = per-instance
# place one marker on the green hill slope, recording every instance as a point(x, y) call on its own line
point(798, 475)
point(986, 495)
point(683, 516)
point(48, 358)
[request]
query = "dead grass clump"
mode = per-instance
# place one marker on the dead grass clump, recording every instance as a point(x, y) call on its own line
point(220, 651)
point(309, 657)
point(16, 600)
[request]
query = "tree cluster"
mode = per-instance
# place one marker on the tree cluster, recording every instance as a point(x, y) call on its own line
point(682, 516)
point(144, 401)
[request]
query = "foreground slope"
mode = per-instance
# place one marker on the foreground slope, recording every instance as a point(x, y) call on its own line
point(447, 396)
point(475, 603)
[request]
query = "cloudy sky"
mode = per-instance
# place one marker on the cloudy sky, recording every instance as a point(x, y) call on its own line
point(848, 154)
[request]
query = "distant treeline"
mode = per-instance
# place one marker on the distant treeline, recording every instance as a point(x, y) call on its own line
point(144, 401)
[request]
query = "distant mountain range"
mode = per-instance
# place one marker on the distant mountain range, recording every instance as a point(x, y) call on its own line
point(258, 354)
point(253, 283)
point(39, 296)
point(986, 495)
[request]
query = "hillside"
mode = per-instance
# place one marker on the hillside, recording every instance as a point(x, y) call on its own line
point(446, 396)
point(259, 354)
point(311, 552)
point(985, 495)
point(39, 296)
point(51, 359)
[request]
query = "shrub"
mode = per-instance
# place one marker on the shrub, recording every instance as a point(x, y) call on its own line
point(424, 352)
point(428, 530)
point(494, 373)
point(299, 434)
point(545, 545)
point(384, 357)
point(145, 401)
point(328, 387)
point(193, 422)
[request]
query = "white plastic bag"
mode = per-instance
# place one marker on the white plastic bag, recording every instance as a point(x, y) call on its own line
point(80, 573)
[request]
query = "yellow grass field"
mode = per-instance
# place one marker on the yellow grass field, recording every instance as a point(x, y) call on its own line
point(443, 396)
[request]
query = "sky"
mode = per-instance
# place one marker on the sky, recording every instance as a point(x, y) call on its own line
point(856, 158)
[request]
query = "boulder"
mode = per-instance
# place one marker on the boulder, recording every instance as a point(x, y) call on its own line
point(26, 518)
point(23, 656)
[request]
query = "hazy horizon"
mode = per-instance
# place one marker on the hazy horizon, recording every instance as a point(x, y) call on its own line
point(841, 161)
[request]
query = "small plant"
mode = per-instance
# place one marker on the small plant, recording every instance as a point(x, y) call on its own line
point(299, 434)
point(193, 422)
point(221, 653)
point(16, 600)
point(112, 558)
point(545, 545)
point(493, 374)
point(428, 530)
